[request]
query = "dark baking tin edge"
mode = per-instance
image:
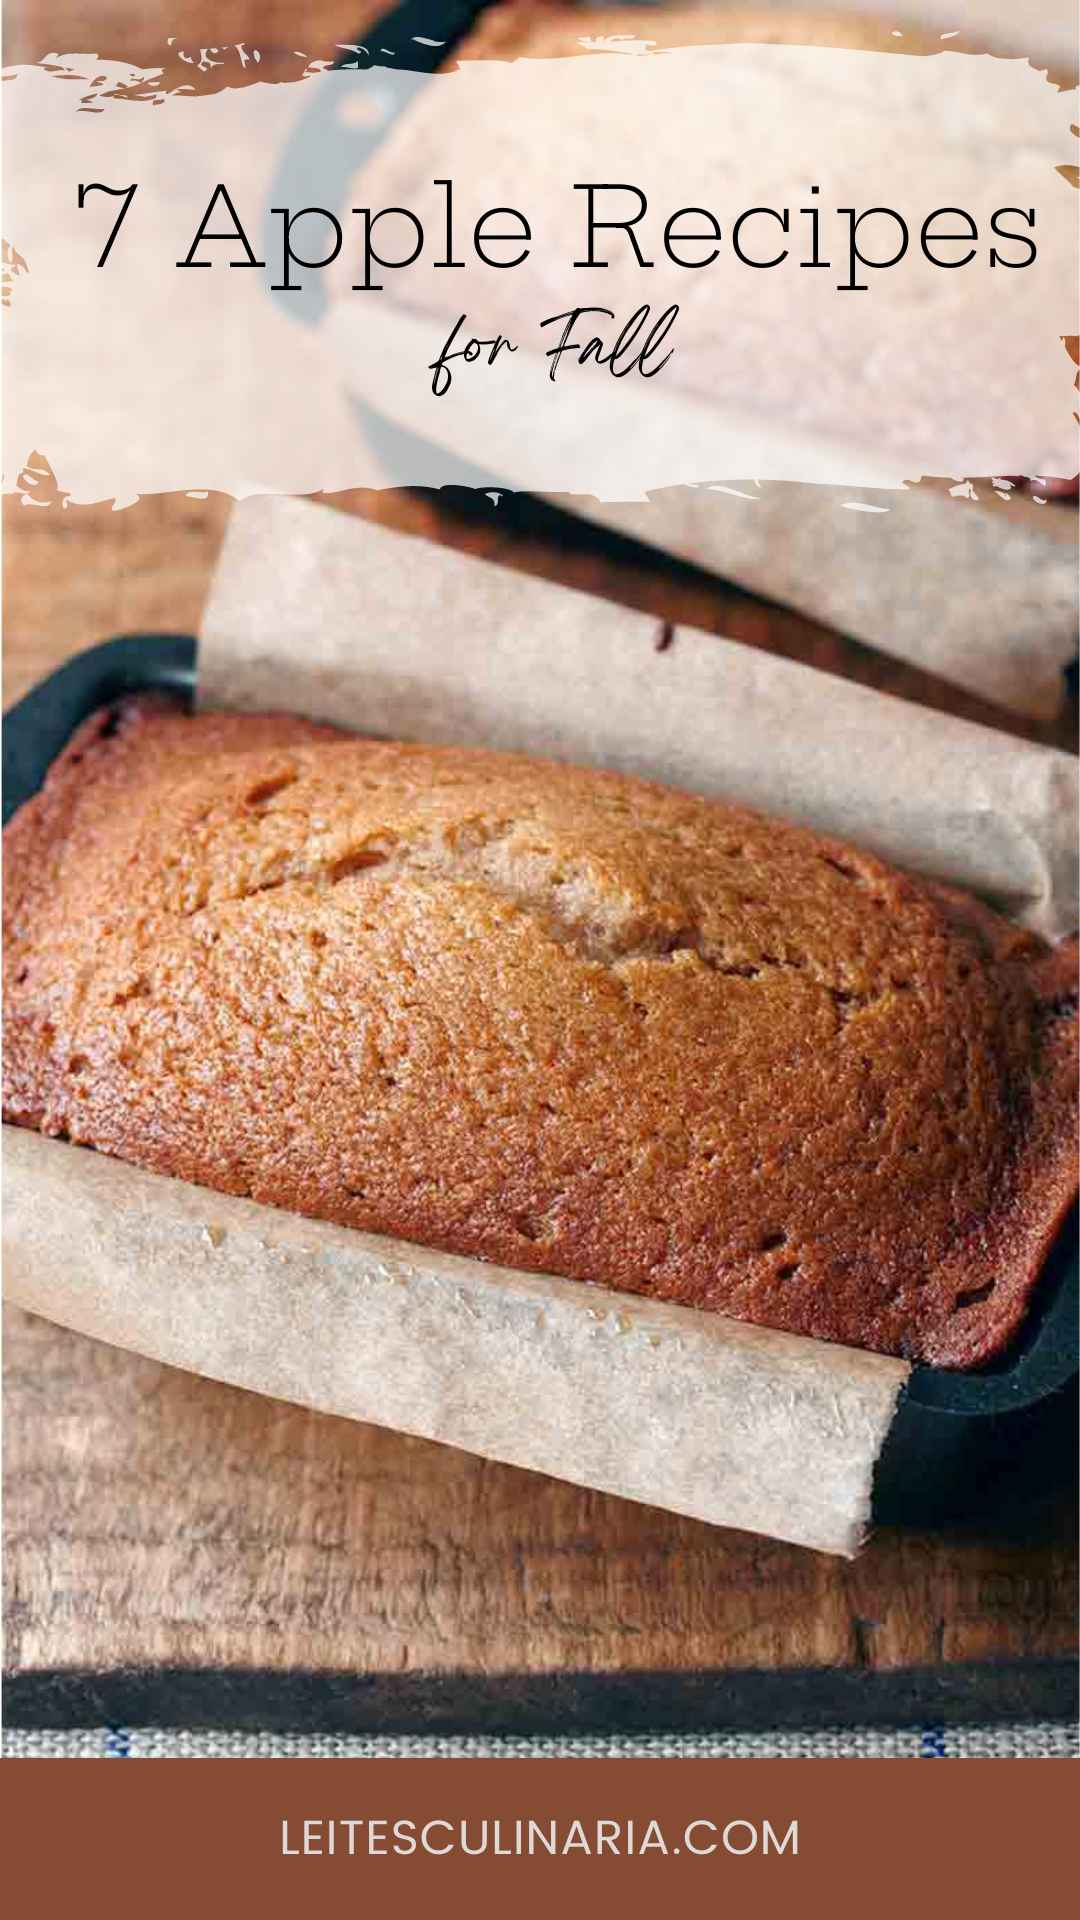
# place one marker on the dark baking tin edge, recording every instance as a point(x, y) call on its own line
point(753, 1700)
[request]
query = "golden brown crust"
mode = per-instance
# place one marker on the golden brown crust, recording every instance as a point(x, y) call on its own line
point(551, 1017)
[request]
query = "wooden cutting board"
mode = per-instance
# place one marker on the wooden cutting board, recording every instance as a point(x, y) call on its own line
point(182, 1553)
point(178, 1552)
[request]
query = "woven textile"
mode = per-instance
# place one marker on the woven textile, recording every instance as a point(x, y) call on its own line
point(1038, 1741)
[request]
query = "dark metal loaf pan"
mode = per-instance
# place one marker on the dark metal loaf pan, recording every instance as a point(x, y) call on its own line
point(974, 1443)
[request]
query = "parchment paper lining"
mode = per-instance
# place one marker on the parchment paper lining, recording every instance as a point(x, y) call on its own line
point(661, 1404)
point(315, 612)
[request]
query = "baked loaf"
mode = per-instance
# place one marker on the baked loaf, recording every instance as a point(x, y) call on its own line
point(560, 1019)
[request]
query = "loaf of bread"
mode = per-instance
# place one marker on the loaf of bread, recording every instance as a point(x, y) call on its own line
point(560, 1019)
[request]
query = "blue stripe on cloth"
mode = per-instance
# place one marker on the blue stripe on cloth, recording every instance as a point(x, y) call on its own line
point(1039, 1740)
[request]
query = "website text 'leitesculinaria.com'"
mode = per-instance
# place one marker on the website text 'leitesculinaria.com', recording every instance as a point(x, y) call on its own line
point(364, 1838)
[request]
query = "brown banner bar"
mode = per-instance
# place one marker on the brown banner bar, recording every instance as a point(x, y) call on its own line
point(758, 1837)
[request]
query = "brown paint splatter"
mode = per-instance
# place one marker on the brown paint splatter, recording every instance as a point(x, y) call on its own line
point(37, 485)
point(12, 265)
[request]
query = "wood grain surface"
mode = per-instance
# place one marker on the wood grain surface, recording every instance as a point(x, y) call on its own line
point(161, 1530)
point(180, 1551)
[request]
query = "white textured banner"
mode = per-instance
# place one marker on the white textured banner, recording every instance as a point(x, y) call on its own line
point(792, 262)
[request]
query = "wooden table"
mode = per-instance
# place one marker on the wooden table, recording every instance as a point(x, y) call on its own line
point(182, 1552)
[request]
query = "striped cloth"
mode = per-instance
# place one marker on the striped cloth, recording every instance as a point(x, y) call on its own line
point(1044, 1740)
